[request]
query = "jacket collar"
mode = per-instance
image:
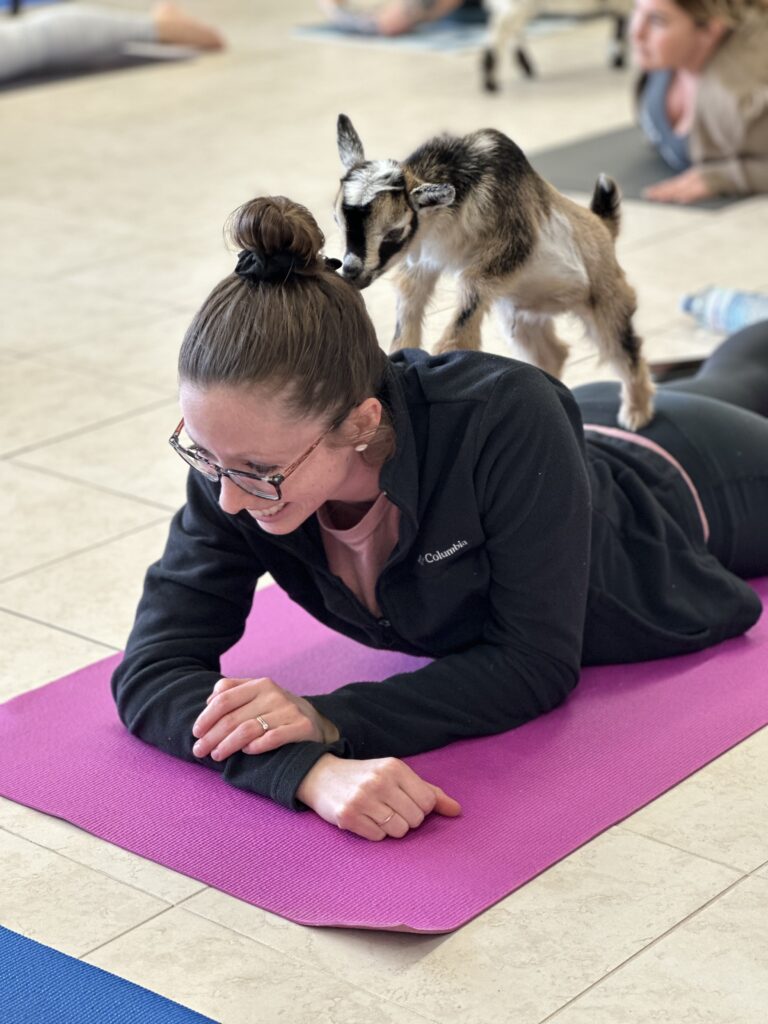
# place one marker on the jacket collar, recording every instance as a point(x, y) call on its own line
point(399, 477)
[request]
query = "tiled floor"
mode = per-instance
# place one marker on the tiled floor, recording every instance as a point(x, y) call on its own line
point(113, 191)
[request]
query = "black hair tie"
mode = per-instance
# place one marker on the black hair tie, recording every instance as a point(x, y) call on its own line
point(256, 267)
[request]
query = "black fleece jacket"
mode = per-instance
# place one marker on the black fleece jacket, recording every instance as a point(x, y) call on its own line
point(522, 554)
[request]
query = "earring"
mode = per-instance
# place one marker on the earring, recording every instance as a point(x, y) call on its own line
point(360, 447)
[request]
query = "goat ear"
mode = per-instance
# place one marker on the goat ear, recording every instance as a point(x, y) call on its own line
point(348, 141)
point(424, 196)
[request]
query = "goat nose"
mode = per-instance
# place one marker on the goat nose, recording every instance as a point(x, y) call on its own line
point(352, 267)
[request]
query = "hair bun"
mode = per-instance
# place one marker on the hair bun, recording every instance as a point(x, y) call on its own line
point(277, 238)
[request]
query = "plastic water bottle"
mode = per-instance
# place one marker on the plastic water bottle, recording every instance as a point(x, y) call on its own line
point(725, 309)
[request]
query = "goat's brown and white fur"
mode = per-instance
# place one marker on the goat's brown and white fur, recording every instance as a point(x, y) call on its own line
point(507, 21)
point(474, 206)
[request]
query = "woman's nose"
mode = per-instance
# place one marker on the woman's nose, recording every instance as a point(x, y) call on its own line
point(233, 499)
point(637, 26)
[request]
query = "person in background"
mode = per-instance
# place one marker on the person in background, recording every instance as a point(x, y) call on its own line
point(703, 95)
point(392, 18)
point(68, 37)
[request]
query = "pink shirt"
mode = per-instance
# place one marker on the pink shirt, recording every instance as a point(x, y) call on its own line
point(358, 555)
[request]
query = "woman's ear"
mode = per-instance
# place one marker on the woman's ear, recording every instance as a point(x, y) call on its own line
point(364, 420)
point(715, 30)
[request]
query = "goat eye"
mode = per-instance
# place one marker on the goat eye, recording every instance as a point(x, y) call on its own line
point(394, 236)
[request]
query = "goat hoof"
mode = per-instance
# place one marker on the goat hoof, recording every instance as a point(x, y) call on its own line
point(634, 418)
point(524, 62)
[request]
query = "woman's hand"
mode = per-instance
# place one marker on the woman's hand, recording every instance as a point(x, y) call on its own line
point(687, 187)
point(237, 710)
point(374, 799)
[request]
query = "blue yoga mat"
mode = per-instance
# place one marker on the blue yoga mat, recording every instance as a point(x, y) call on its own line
point(5, 5)
point(38, 985)
point(453, 34)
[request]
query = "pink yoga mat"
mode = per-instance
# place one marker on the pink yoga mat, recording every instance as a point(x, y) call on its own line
point(530, 796)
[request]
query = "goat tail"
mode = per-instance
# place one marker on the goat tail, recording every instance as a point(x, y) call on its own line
point(606, 203)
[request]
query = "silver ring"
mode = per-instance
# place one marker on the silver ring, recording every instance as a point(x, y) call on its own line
point(383, 823)
point(263, 723)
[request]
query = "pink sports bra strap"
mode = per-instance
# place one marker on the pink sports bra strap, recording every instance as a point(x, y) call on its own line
point(645, 442)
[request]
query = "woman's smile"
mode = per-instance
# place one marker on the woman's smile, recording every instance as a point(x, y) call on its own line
point(267, 513)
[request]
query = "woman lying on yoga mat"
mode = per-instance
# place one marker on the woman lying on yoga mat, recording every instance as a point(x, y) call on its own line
point(703, 97)
point(73, 36)
point(450, 507)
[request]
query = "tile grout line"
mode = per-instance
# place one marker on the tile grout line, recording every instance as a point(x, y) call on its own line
point(249, 938)
point(83, 551)
point(90, 952)
point(88, 428)
point(101, 488)
point(691, 853)
point(59, 629)
point(654, 942)
point(88, 867)
point(307, 963)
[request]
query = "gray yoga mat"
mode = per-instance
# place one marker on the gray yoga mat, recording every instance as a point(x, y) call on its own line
point(623, 153)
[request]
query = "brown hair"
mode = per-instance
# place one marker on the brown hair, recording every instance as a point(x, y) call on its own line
point(294, 325)
point(732, 12)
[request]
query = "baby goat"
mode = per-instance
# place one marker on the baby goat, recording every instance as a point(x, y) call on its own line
point(474, 206)
point(507, 21)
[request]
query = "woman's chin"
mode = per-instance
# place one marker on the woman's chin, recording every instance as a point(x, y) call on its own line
point(644, 62)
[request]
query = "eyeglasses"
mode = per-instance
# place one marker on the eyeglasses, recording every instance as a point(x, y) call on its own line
point(267, 487)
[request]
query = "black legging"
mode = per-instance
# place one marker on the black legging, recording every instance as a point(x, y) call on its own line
point(716, 425)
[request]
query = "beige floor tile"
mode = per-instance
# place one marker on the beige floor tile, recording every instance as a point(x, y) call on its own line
point(40, 233)
point(155, 277)
point(37, 318)
point(523, 958)
point(711, 970)
point(95, 593)
point(46, 518)
point(40, 403)
point(62, 904)
point(144, 353)
point(235, 980)
point(32, 654)
point(680, 338)
point(74, 844)
point(130, 457)
point(720, 812)
point(651, 224)
point(711, 253)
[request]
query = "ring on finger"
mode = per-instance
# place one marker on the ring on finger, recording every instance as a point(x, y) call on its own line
point(389, 818)
point(263, 723)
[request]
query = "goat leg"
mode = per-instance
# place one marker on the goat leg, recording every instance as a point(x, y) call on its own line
point(414, 285)
point(610, 324)
point(464, 331)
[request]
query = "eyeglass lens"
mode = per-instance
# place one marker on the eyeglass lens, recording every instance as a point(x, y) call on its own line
point(259, 488)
